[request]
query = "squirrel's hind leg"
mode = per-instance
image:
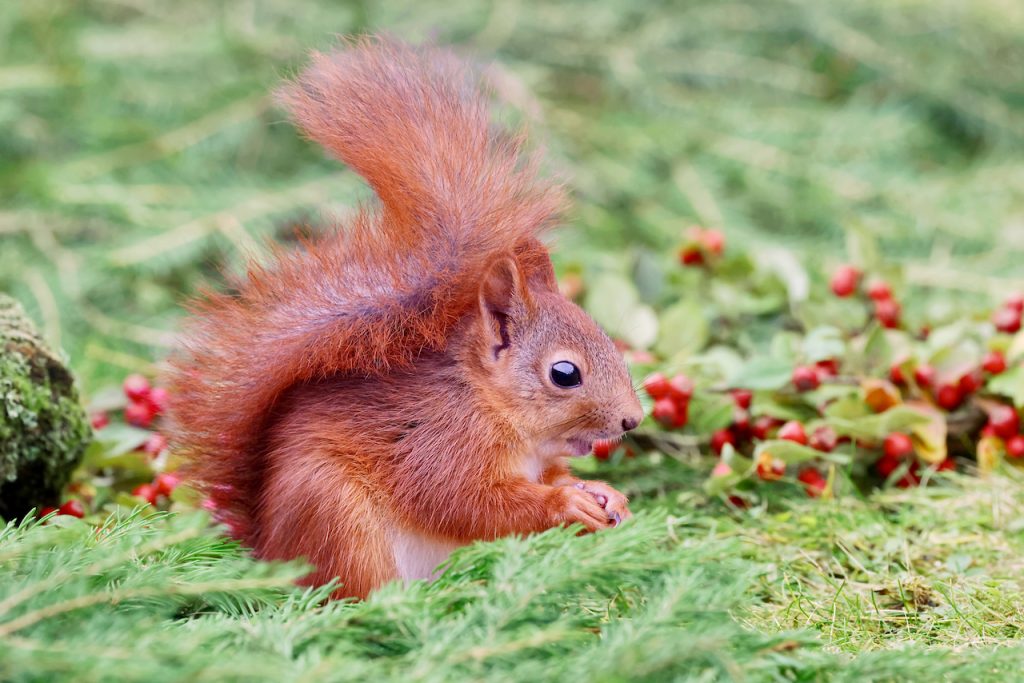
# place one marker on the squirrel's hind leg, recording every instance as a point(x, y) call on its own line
point(312, 510)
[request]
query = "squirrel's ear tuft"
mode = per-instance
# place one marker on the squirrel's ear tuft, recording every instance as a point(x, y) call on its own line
point(502, 297)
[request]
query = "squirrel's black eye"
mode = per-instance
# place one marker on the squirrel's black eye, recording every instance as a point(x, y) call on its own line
point(565, 374)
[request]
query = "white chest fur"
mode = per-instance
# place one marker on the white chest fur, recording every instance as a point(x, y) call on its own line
point(417, 556)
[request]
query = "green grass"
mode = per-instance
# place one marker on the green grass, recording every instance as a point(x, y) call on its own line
point(140, 157)
point(140, 154)
point(930, 567)
point(893, 587)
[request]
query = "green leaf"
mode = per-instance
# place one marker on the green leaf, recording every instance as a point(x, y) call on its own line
point(877, 350)
point(848, 408)
point(788, 452)
point(718, 362)
point(640, 327)
point(609, 299)
point(763, 373)
point(862, 247)
point(709, 412)
point(1009, 384)
point(715, 486)
point(822, 343)
point(118, 439)
point(742, 468)
point(875, 427)
point(684, 329)
point(614, 303)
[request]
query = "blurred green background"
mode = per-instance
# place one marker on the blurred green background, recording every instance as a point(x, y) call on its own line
point(140, 154)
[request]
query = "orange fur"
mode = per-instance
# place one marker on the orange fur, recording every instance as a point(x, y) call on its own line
point(381, 396)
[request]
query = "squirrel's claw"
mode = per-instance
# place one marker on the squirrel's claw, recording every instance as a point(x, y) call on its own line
point(615, 505)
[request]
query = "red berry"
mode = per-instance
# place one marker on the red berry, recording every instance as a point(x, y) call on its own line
point(805, 378)
point(844, 280)
point(924, 375)
point(994, 363)
point(147, 492)
point(814, 483)
point(682, 415)
point(680, 388)
point(139, 414)
point(1004, 420)
point(989, 431)
point(827, 368)
point(1015, 446)
point(691, 255)
point(742, 398)
point(770, 469)
point(738, 502)
point(970, 382)
point(714, 241)
point(887, 311)
point(73, 508)
point(158, 398)
point(665, 411)
point(793, 431)
point(166, 482)
point(949, 396)
point(721, 469)
point(885, 466)
point(898, 445)
point(879, 290)
point(603, 449)
point(136, 387)
point(947, 465)
point(1007, 320)
point(909, 480)
point(656, 386)
point(720, 438)
point(740, 422)
point(896, 374)
point(1015, 301)
point(824, 439)
point(155, 445)
point(47, 510)
point(763, 427)
point(99, 420)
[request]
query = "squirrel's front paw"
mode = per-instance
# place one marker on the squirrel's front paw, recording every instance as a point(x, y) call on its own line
point(577, 505)
point(615, 505)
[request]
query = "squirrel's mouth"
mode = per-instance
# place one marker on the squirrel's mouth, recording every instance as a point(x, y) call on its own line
point(579, 447)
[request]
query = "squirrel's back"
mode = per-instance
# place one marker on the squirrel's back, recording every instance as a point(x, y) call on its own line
point(455, 194)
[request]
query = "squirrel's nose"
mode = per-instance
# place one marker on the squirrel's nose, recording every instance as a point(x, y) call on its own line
point(629, 423)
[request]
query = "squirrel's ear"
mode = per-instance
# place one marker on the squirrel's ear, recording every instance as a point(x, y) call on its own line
point(542, 277)
point(502, 296)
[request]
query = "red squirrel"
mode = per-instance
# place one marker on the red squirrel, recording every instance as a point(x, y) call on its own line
point(414, 381)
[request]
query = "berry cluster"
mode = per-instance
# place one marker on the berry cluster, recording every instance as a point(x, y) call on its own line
point(162, 487)
point(671, 409)
point(702, 245)
point(742, 435)
point(845, 283)
point(671, 399)
point(951, 392)
point(144, 405)
point(931, 402)
point(1003, 427)
point(1007, 318)
point(71, 507)
point(810, 377)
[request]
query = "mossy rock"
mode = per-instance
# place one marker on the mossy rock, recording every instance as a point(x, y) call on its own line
point(43, 428)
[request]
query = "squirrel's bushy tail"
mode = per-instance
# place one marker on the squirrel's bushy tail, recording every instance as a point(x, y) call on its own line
point(455, 192)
